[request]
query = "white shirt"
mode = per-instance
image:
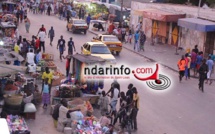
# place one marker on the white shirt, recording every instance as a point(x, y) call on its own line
point(30, 58)
point(42, 36)
point(20, 45)
point(115, 94)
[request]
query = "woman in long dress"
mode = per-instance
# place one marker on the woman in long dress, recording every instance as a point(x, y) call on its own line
point(27, 24)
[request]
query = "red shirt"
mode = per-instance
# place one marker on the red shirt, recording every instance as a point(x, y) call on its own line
point(43, 29)
point(37, 43)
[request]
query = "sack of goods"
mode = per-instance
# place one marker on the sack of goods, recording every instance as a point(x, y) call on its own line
point(77, 115)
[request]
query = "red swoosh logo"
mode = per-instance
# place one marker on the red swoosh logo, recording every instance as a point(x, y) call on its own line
point(154, 76)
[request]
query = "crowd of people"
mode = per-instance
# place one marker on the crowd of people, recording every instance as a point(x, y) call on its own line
point(128, 101)
point(196, 62)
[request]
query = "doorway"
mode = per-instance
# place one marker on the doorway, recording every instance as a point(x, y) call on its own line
point(210, 43)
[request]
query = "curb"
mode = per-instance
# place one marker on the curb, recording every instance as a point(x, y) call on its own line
point(152, 60)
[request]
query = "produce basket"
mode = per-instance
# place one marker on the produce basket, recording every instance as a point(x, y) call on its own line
point(37, 97)
point(28, 99)
point(13, 99)
point(57, 82)
point(75, 102)
point(47, 57)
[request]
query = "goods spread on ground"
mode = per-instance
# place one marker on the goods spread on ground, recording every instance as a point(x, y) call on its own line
point(48, 57)
point(16, 124)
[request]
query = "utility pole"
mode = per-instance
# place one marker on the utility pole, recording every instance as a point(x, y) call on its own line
point(121, 14)
point(200, 1)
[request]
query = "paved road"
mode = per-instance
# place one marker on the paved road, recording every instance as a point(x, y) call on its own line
point(183, 109)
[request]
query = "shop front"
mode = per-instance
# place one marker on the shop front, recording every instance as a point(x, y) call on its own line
point(198, 32)
point(162, 25)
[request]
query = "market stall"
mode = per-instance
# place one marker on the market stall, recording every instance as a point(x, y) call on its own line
point(9, 18)
point(7, 29)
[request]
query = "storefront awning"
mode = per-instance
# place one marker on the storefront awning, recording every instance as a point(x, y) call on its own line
point(197, 24)
point(160, 15)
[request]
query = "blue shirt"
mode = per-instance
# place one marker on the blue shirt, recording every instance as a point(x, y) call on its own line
point(213, 57)
point(88, 19)
point(136, 36)
point(210, 64)
point(46, 88)
point(199, 59)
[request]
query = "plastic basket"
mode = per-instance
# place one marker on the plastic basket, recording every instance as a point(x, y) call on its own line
point(13, 99)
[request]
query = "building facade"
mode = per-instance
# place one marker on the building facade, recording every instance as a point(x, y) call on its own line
point(161, 24)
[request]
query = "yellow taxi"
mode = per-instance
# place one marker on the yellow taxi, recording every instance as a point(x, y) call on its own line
point(98, 49)
point(111, 41)
point(77, 25)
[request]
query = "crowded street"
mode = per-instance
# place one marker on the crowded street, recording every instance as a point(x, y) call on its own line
point(183, 109)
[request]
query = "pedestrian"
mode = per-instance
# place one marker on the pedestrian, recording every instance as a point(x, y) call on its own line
point(88, 20)
point(42, 36)
point(199, 59)
point(33, 42)
point(181, 66)
point(21, 15)
point(129, 93)
point(123, 33)
point(79, 13)
point(68, 60)
point(104, 101)
point(30, 58)
point(129, 39)
point(196, 50)
point(123, 104)
point(37, 44)
point(136, 105)
point(38, 56)
point(114, 97)
point(139, 26)
point(27, 24)
point(193, 61)
point(51, 35)
point(49, 10)
point(42, 29)
point(142, 40)
point(203, 70)
point(136, 42)
point(71, 46)
point(17, 33)
point(24, 48)
point(187, 67)
point(68, 15)
point(61, 46)
point(18, 15)
point(17, 50)
point(210, 64)
point(47, 75)
point(46, 95)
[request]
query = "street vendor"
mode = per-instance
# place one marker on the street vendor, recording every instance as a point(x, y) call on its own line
point(56, 110)
point(47, 75)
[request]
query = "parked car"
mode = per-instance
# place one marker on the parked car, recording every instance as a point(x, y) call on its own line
point(111, 41)
point(98, 49)
point(77, 25)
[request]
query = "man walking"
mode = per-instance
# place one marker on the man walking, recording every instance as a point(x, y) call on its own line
point(88, 20)
point(203, 70)
point(61, 46)
point(181, 66)
point(42, 36)
point(210, 64)
point(136, 44)
point(51, 35)
point(142, 40)
point(71, 46)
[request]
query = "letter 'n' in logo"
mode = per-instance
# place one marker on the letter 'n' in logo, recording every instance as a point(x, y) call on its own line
point(155, 81)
